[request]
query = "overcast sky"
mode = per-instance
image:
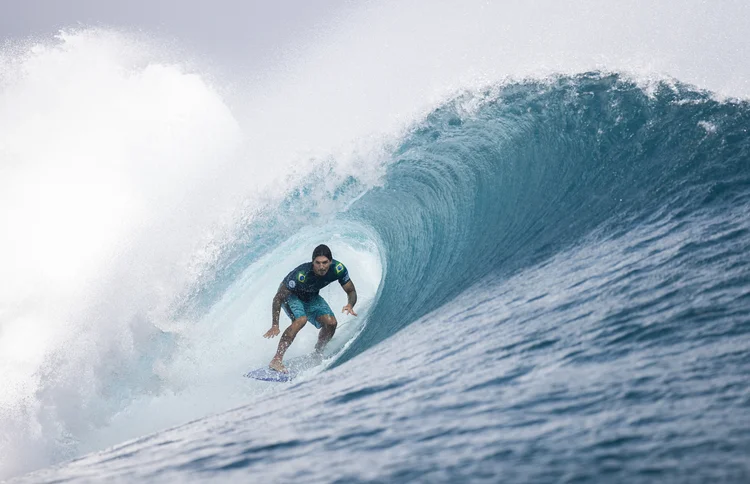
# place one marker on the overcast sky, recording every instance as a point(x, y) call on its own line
point(436, 42)
point(230, 31)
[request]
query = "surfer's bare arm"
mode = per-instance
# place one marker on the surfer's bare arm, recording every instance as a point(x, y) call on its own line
point(278, 299)
point(351, 294)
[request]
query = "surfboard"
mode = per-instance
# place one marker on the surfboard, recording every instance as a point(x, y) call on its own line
point(294, 366)
point(267, 374)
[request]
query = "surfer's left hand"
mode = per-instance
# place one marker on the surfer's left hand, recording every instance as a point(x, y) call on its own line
point(348, 309)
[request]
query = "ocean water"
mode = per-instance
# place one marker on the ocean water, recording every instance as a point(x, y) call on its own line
point(553, 274)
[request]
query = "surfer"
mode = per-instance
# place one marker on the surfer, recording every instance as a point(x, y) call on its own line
point(298, 295)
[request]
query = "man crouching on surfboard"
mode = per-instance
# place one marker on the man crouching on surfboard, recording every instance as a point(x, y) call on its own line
point(298, 295)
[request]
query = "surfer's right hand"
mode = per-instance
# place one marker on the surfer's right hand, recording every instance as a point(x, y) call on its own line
point(271, 332)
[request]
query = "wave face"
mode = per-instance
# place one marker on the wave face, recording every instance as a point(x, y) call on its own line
point(495, 183)
point(564, 297)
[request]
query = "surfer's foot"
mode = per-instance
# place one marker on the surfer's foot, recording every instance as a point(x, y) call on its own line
point(277, 365)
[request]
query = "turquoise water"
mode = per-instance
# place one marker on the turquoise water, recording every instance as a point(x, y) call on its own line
point(564, 298)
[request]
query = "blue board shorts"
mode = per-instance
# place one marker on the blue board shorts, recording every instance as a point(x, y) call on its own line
point(295, 308)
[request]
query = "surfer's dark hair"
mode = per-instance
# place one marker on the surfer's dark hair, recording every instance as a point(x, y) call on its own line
point(322, 250)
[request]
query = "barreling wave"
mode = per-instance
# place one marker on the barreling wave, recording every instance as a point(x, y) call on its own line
point(612, 218)
point(567, 259)
point(496, 181)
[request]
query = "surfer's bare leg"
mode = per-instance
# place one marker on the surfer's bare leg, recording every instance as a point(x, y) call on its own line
point(286, 341)
point(327, 330)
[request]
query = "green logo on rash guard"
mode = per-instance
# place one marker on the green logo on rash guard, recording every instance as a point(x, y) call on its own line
point(339, 268)
point(301, 276)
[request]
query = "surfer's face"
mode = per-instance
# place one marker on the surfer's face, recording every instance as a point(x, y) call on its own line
point(321, 265)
